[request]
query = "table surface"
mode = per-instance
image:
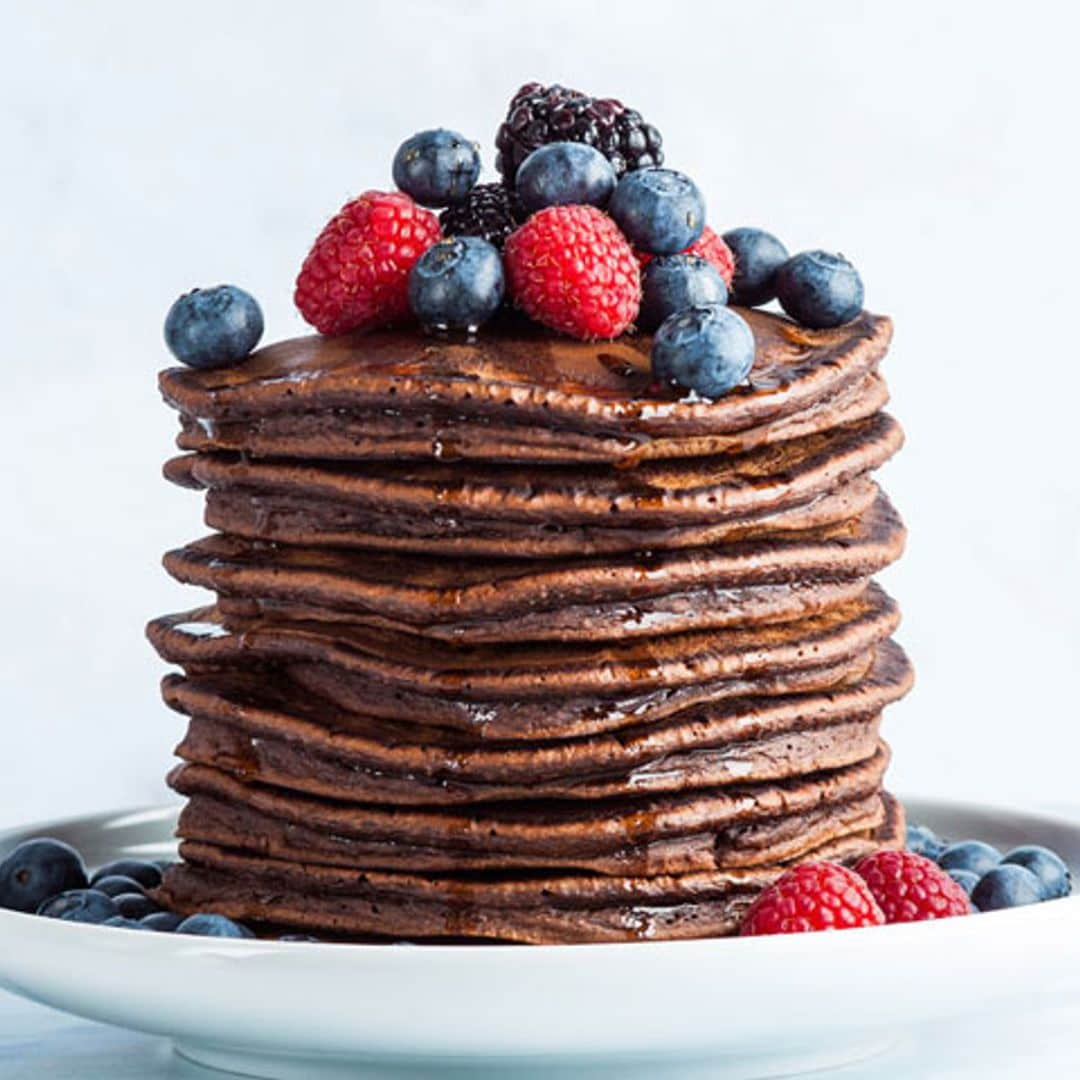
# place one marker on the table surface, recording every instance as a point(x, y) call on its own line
point(38, 1043)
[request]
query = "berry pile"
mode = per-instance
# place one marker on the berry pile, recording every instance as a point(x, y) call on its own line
point(930, 880)
point(49, 878)
point(583, 186)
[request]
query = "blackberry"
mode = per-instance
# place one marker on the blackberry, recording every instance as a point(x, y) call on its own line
point(490, 211)
point(544, 114)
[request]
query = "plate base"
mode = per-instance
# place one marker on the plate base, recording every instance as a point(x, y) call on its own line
point(240, 1062)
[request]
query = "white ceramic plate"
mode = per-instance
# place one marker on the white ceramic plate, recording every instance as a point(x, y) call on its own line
point(729, 1007)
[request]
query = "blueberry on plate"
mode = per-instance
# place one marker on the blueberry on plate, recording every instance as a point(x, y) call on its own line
point(212, 328)
point(124, 923)
point(115, 885)
point(457, 284)
point(924, 841)
point(1046, 865)
point(818, 289)
point(437, 167)
point(147, 874)
point(565, 174)
point(672, 283)
point(37, 870)
point(707, 350)
point(965, 879)
point(971, 855)
point(208, 924)
point(758, 255)
point(164, 921)
point(80, 905)
point(1006, 886)
point(135, 905)
point(659, 210)
point(297, 937)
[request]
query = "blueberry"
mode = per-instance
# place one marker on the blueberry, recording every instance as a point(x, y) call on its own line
point(564, 174)
point(147, 874)
point(115, 885)
point(1006, 886)
point(437, 167)
point(964, 878)
point(674, 283)
point(164, 921)
point(704, 349)
point(37, 870)
point(971, 855)
point(135, 905)
point(206, 924)
point(212, 328)
point(80, 905)
point(457, 284)
point(819, 290)
point(659, 210)
point(924, 841)
point(124, 923)
point(1046, 865)
point(297, 937)
point(758, 255)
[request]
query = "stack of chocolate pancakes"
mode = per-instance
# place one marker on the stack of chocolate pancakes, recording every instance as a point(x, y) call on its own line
point(511, 645)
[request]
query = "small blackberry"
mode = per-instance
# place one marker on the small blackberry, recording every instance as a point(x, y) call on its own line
point(544, 114)
point(490, 211)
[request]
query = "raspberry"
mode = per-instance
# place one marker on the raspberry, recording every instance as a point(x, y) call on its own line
point(911, 888)
point(356, 275)
point(571, 269)
point(708, 246)
point(544, 114)
point(813, 896)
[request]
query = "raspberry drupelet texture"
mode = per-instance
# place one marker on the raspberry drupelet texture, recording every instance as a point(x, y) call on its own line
point(911, 888)
point(570, 268)
point(708, 246)
point(356, 275)
point(813, 896)
point(545, 114)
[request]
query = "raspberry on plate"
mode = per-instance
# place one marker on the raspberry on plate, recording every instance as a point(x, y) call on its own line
point(708, 246)
point(813, 896)
point(356, 275)
point(570, 268)
point(911, 888)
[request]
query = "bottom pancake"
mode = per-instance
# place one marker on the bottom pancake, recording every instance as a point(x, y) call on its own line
point(529, 909)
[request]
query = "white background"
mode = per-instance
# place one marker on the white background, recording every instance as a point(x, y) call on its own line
point(149, 148)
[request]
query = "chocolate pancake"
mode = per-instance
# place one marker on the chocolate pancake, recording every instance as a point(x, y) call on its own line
point(354, 435)
point(574, 689)
point(648, 835)
point(578, 599)
point(532, 909)
point(663, 493)
point(295, 519)
point(518, 393)
point(272, 734)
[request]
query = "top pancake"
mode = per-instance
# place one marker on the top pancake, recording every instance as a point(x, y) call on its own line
point(517, 394)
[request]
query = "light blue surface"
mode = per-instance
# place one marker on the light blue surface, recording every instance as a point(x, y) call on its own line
point(37, 1043)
